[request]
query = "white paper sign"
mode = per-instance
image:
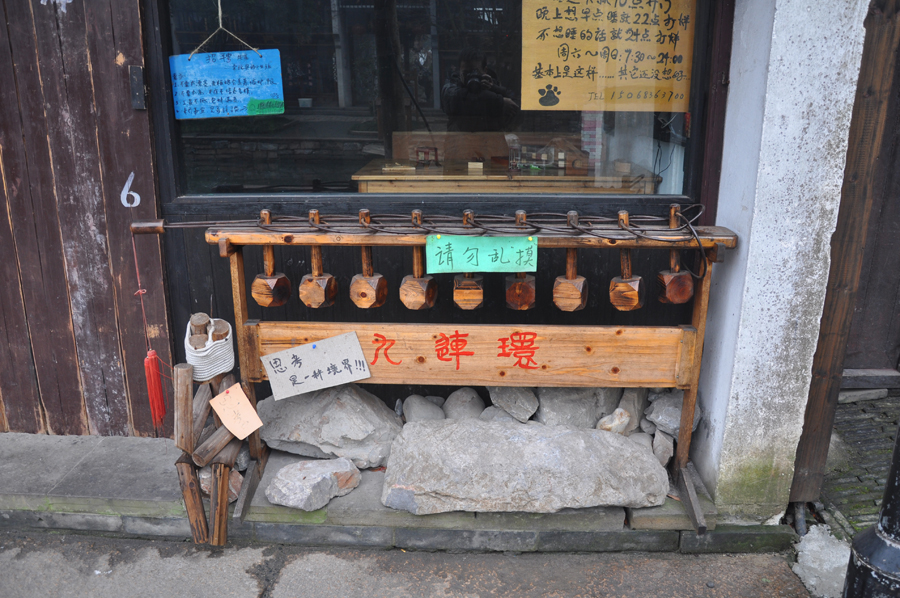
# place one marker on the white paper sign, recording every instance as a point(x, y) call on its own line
point(322, 364)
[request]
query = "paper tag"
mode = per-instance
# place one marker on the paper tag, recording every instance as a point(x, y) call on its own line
point(237, 414)
point(314, 366)
point(458, 253)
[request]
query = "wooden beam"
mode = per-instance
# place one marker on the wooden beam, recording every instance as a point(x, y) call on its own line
point(184, 408)
point(625, 356)
point(201, 409)
point(252, 477)
point(248, 235)
point(219, 439)
point(689, 500)
point(876, 94)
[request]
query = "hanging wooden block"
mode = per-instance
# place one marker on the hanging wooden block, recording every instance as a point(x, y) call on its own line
point(369, 289)
point(318, 289)
point(272, 289)
point(418, 291)
point(676, 286)
point(468, 288)
point(570, 292)
point(521, 288)
point(626, 292)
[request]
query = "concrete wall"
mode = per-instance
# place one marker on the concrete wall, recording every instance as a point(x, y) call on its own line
point(794, 68)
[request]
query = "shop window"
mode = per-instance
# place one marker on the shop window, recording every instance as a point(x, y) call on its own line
point(447, 96)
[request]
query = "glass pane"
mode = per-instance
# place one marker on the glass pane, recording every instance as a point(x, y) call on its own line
point(445, 96)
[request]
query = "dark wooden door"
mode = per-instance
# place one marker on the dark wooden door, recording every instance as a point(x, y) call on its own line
point(72, 336)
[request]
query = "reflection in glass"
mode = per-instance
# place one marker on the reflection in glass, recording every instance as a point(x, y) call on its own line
point(420, 96)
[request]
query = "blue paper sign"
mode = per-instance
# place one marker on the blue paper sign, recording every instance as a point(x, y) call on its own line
point(223, 84)
point(459, 253)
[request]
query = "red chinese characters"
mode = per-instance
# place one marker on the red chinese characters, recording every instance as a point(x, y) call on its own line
point(452, 347)
point(521, 346)
point(384, 343)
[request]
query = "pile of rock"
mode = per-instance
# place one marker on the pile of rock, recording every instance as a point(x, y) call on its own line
point(582, 447)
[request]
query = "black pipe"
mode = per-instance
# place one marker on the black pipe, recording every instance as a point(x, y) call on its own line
point(874, 569)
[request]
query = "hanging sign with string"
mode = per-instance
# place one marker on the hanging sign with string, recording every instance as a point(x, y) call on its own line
point(223, 84)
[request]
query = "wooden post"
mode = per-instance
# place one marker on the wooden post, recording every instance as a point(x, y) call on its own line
point(244, 342)
point(201, 409)
point(193, 501)
point(184, 408)
point(874, 99)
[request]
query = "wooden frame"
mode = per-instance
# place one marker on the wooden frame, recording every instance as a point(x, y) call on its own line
point(634, 356)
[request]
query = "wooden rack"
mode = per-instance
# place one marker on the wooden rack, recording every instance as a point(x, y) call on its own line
point(615, 356)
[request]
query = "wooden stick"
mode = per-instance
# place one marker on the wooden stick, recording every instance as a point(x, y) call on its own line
point(204, 453)
point(689, 500)
point(228, 454)
point(220, 330)
point(193, 500)
point(200, 411)
point(184, 412)
point(218, 504)
point(571, 263)
point(252, 477)
point(625, 254)
point(315, 251)
point(268, 250)
point(674, 261)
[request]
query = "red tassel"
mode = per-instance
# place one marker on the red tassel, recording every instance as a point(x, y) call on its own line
point(154, 389)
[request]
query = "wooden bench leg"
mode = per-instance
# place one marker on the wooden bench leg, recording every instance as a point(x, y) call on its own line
point(252, 477)
point(193, 501)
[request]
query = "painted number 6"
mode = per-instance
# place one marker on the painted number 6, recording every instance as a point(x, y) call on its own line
point(126, 191)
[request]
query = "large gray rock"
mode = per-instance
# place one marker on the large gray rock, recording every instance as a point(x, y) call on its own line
point(472, 465)
point(634, 401)
point(665, 412)
point(343, 421)
point(439, 401)
point(463, 404)
point(518, 402)
point(576, 407)
point(495, 414)
point(417, 408)
point(309, 485)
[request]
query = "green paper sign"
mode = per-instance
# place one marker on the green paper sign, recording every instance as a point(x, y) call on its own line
point(257, 107)
point(454, 253)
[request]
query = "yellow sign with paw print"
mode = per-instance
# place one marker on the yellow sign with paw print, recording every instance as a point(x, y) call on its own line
point(621, 55)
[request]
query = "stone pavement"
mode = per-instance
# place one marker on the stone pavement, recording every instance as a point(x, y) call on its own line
point(128, 487)
point(859, 460)
point(75, 566)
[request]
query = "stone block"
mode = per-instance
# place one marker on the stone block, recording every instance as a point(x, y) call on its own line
point(324, 535)
point(363, 507)
point(479, 540)
point(671, 515)
point(627, 541)
point(855, 396)
point(593, 519)
point(740, 539)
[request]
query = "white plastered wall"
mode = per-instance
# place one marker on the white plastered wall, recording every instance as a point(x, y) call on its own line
point(794, 67)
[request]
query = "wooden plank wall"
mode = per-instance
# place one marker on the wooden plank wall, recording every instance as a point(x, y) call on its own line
point(71, 328)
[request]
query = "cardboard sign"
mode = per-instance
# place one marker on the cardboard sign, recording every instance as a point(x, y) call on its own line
point(314, 366)
point(237, 414)
point(583, 55)
point(456, 253)
point(223, 84)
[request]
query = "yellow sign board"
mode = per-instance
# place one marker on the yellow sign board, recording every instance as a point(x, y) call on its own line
point(621, 55)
